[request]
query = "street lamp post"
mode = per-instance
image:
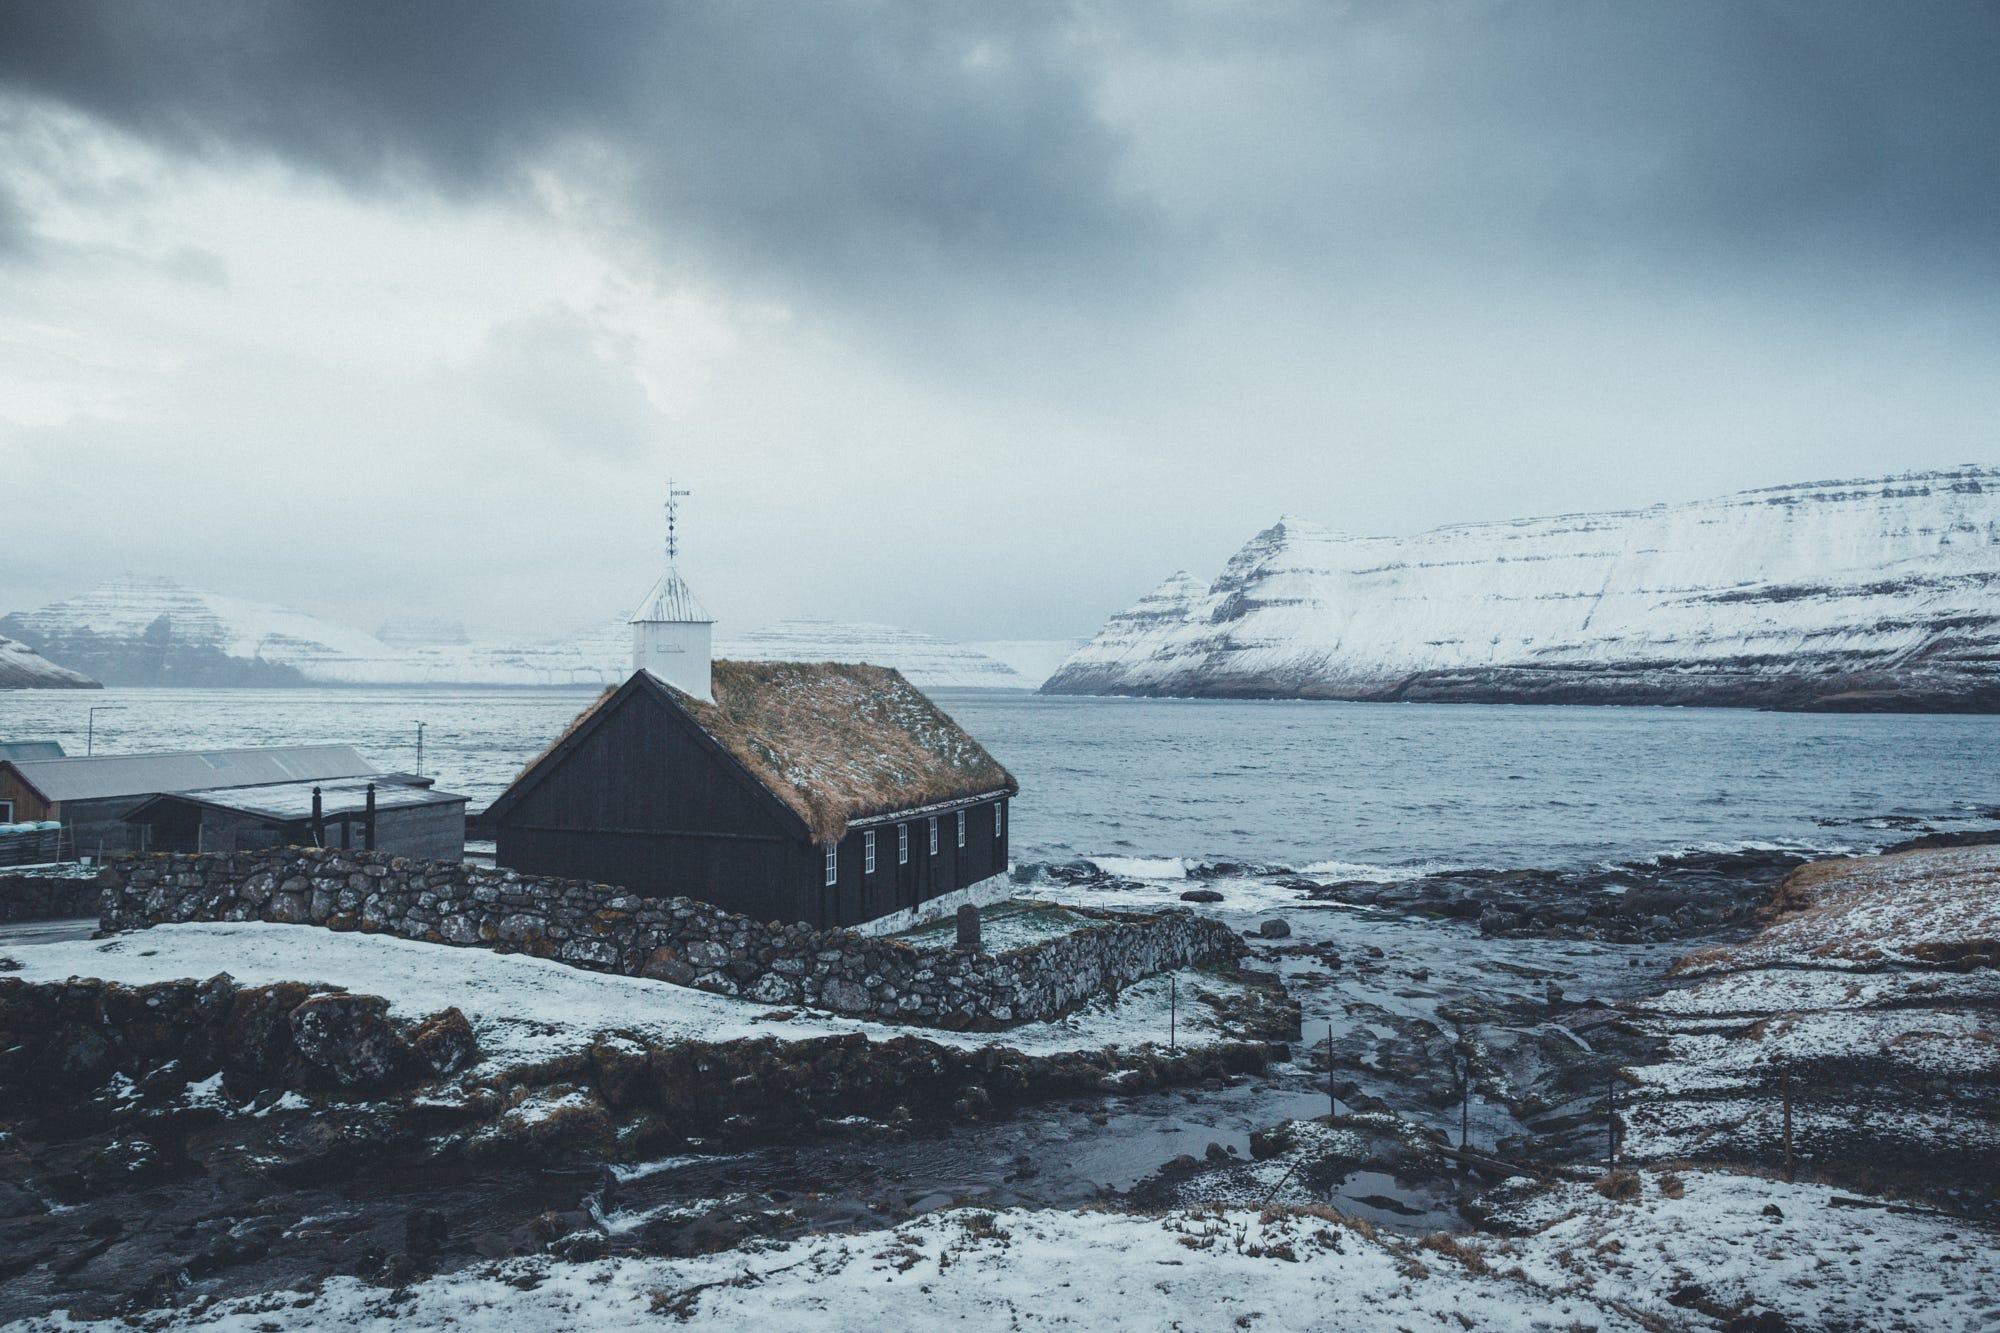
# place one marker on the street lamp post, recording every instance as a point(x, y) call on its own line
point(90, 726)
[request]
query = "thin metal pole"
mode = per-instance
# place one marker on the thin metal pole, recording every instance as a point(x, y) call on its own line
point(1786, 1080)
point(1611, 1118)
point(1330, 1108)
point(1465, 1106)
point(420, 749)
point(90, 725)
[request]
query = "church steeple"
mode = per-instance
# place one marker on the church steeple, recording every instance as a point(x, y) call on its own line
point(671, 631)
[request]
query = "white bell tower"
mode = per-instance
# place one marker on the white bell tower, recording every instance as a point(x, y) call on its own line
point(670, 630)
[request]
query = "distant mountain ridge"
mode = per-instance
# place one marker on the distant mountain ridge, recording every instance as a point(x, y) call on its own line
point(156, 631)
point(1876, 594)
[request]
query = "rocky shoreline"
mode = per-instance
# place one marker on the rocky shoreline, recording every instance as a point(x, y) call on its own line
point(1441, 1069)
point(149, 1132)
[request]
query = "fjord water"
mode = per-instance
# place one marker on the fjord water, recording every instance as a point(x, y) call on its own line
point(1268, 783)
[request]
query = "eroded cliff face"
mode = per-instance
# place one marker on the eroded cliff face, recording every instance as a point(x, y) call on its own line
point(1875, 594)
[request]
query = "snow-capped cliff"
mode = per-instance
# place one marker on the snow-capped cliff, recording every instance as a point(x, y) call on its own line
point(927, 661)
point(1882, 593)
point(22, 668)
point(155, 631)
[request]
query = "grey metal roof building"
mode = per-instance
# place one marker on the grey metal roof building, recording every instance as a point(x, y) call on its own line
point(90, 795)
point(94, 777)
point(408, 818)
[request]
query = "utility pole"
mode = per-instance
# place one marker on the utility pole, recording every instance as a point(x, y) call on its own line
point(420, 749)
point(90, 726)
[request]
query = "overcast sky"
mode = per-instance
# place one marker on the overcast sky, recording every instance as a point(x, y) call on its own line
point(976, 319)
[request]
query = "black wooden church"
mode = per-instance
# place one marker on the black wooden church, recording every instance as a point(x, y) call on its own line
point(825, 793)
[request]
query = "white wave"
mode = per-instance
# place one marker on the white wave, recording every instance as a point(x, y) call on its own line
point(1141, 867)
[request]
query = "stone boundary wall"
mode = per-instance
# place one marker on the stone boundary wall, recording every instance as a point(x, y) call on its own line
point(72, 1035)
point(689, 943)
point(42, 897)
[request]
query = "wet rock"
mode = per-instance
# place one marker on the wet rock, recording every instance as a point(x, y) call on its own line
point(425, 1232)
point(347, 1037)
point(1277, 928)
point(1201, 896)
point(445, 1042)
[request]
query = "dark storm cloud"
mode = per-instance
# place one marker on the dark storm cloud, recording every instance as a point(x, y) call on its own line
point(881, 152)
point(833, 143)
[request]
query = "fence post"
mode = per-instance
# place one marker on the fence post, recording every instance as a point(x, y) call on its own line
point(1611, 1119)
point(1329, 1068)
point(1785, 1082)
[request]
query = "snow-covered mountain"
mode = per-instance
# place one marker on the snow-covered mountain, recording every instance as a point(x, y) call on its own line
point(155, 631)
point(927, 661)
point(22, 668)
point(1862, 594)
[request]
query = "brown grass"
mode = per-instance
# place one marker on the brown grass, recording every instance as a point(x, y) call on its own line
point(838, 742)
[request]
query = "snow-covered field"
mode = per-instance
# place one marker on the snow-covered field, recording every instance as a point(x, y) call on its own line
point(1687, 1250)
point(1851, 994)
point(527, 1010)
point(1912, 908)
point(1896, 574)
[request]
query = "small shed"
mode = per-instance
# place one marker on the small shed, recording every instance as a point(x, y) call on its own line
point(406, 817)
point(825, 793)
point(90, 795)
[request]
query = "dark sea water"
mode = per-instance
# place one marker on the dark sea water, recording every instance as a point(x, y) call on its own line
point(1275, 783)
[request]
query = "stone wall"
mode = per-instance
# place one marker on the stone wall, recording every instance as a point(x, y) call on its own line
point(679, 940)
point(57, 1036)
point(36, 897)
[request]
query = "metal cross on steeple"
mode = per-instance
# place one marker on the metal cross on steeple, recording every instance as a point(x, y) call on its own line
point(673, 507)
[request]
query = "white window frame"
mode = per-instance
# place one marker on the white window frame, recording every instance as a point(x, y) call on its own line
point(6, 812)
point(961, 830)
point(833, 865)
point(902, 844)
point(868, 852)
point(999, 818)
point(934, 837)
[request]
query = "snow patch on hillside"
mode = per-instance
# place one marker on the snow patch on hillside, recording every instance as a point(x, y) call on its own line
point(22, 668)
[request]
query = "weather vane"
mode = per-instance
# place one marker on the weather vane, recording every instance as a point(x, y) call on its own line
point(673, 508)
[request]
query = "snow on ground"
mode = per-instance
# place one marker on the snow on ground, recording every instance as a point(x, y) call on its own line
point(1756, 994)
point(1912, 907)
point(1743, 1240)
point(1921, 1041)
point(527, 1010)
point(1686, 1248)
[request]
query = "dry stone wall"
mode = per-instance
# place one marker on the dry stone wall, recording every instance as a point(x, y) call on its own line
point(689, 943)
point(37, 896)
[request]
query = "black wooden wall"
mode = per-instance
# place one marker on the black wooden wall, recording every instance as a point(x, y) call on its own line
point(894, 887)
point(642, 802)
